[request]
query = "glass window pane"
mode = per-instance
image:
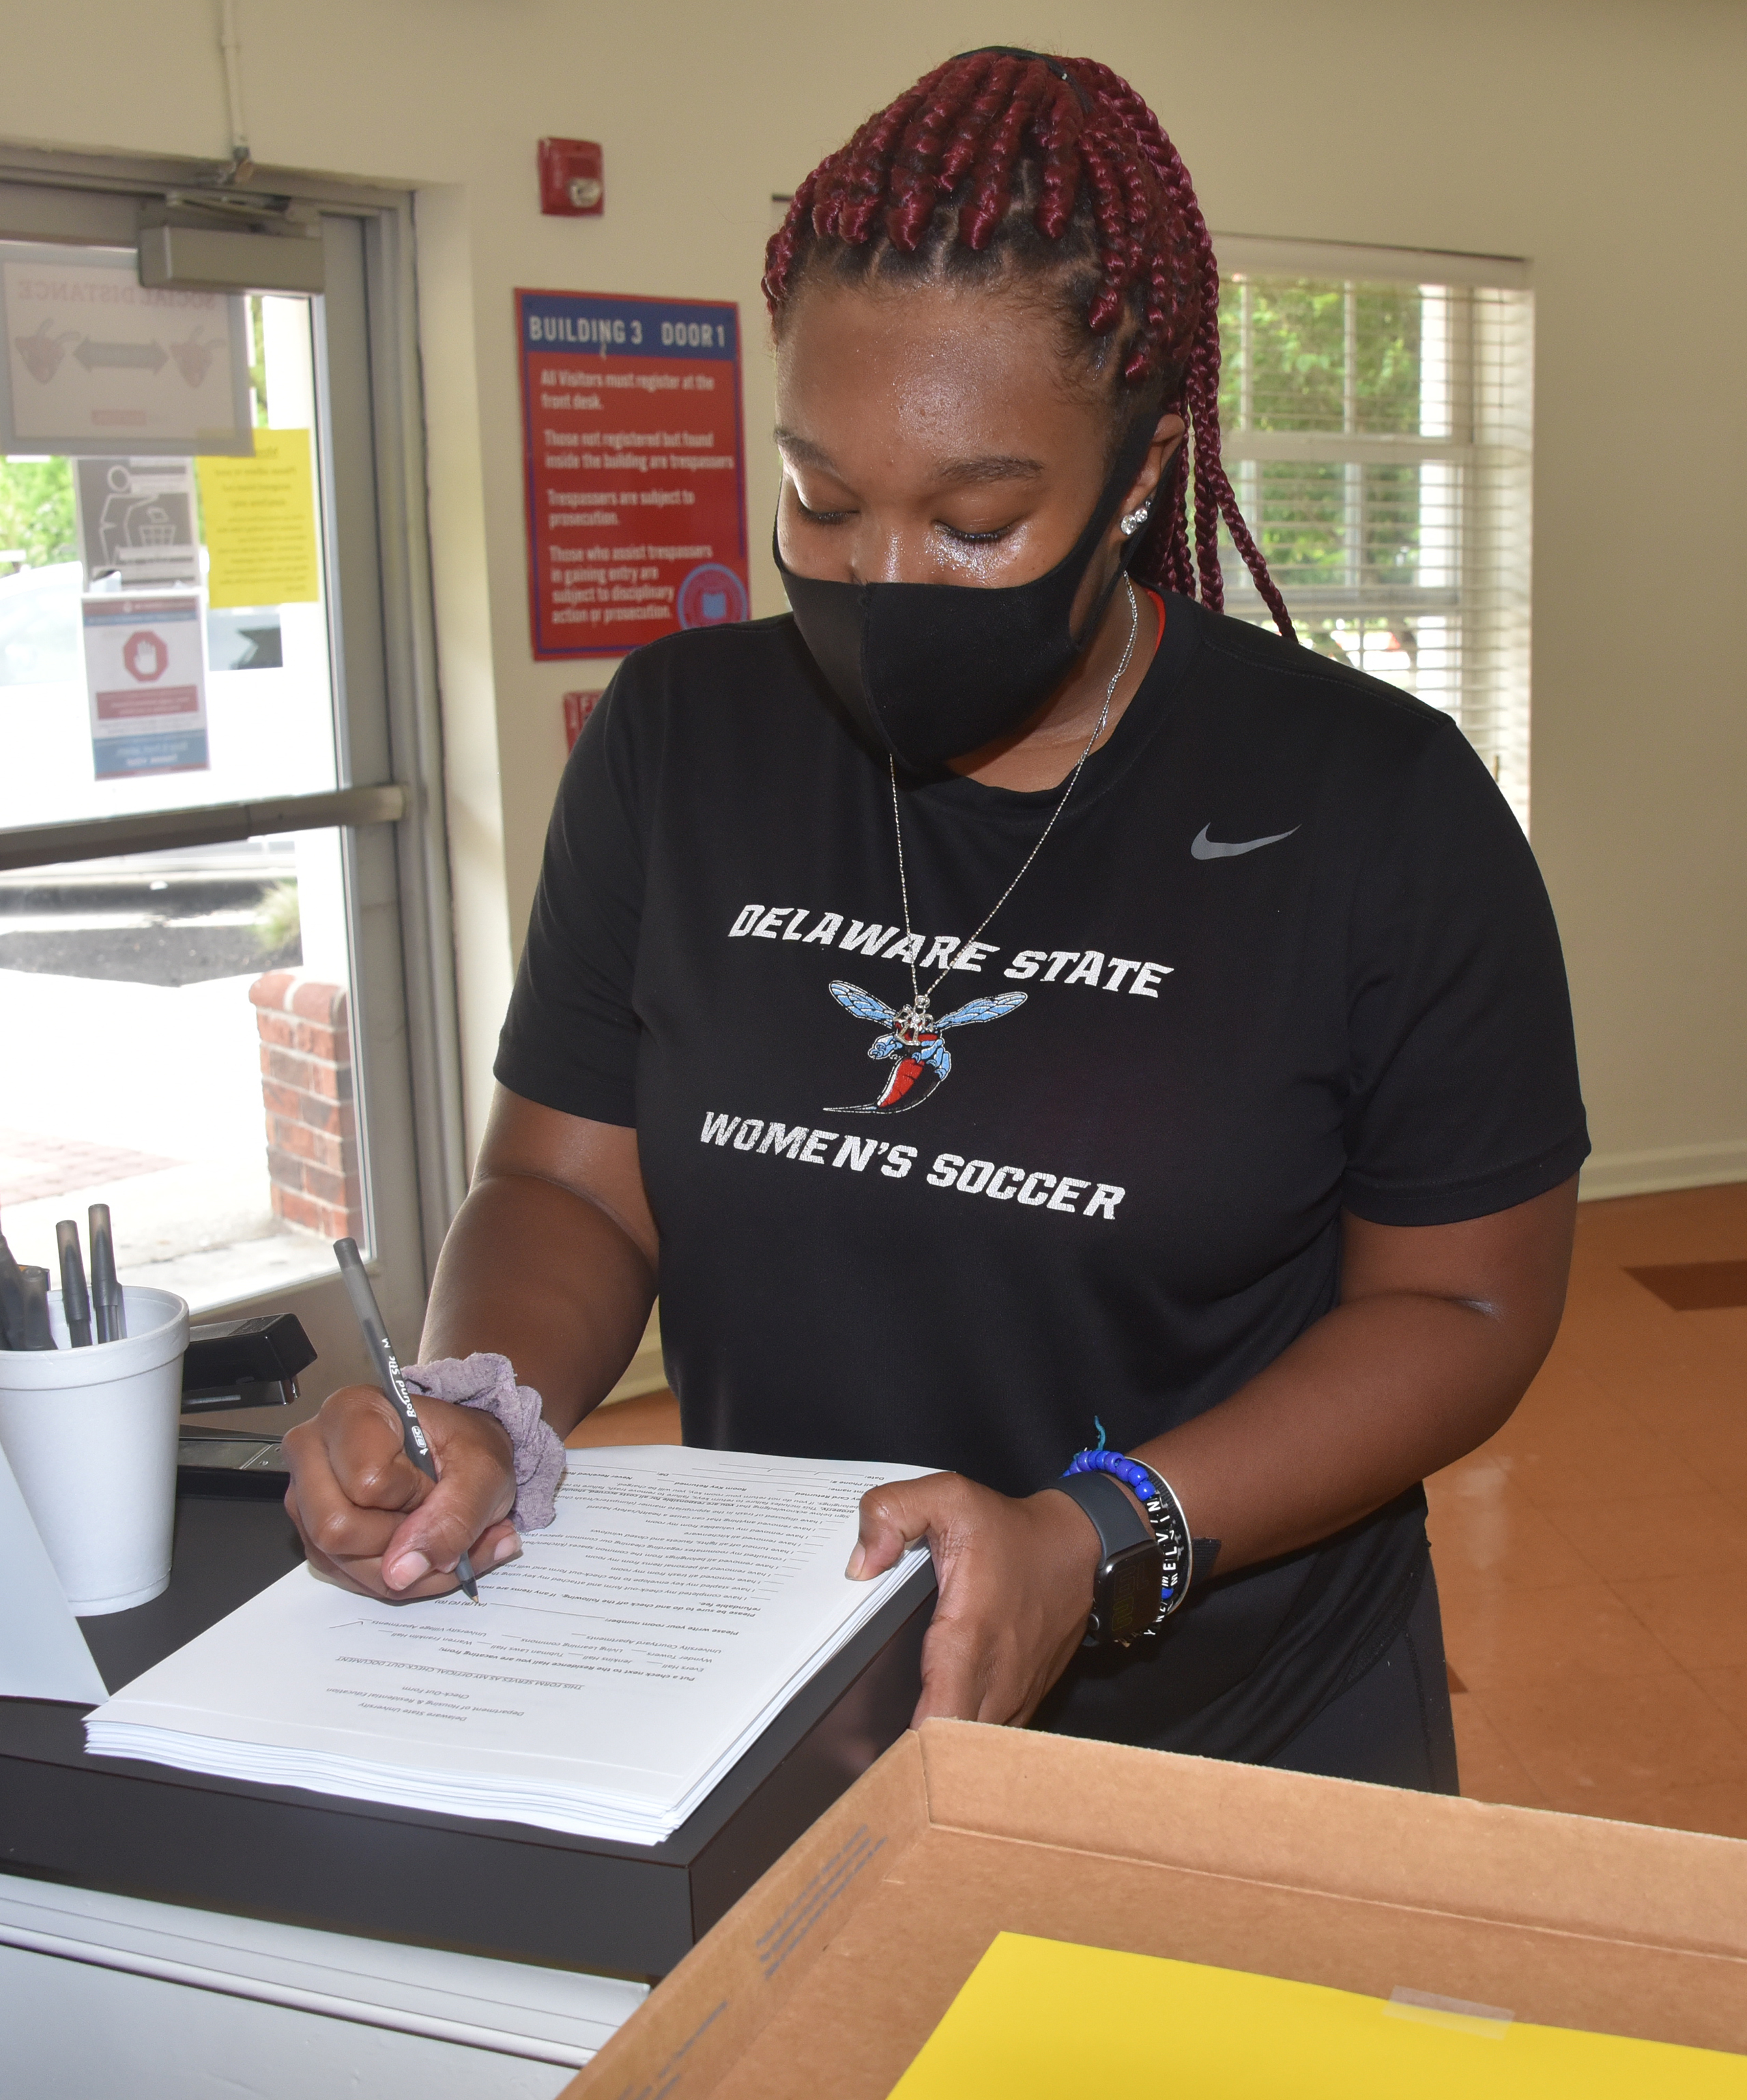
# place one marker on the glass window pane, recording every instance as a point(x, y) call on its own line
point(1320, 354)
point(264, 671)
point(175, 1028)
point(1386, 358)
point(1378, 437)
point(177, 1044)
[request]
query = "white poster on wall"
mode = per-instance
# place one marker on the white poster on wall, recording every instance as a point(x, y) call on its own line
point(137, 521)
point(145, 671)
point(96, 362)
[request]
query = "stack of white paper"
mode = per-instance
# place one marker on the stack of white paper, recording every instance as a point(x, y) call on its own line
point(604, 1684)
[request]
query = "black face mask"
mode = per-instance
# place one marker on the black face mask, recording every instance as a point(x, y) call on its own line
point(929, 672)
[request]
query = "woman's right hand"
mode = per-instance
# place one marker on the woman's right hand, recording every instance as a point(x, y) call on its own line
point(372, 1522)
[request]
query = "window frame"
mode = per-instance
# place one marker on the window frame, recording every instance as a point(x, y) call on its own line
point(391, 798)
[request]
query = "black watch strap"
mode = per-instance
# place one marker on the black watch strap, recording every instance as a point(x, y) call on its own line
point(1126, 1592)
point(1116, 1516)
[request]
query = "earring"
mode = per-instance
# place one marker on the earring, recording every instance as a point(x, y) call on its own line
point(1135, 520)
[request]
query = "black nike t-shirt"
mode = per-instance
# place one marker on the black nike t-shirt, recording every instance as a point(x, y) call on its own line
point(1286, 951)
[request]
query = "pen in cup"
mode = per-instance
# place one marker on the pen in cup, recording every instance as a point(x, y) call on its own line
point(38, 1334)
point(75, 1300)
point(109, 1308)
point(388, 1376)
point(11, 1299)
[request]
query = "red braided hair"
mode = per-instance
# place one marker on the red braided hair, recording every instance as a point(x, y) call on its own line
point(1004, 161)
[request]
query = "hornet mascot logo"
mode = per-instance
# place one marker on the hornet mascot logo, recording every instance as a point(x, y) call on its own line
point(912, 1043)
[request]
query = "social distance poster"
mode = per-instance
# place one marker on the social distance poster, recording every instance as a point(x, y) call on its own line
point(635, 468)
point(94, 362)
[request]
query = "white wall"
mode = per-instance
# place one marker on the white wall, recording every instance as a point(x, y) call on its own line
point(1602, 140)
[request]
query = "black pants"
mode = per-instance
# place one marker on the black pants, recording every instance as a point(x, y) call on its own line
point(1393, 1726)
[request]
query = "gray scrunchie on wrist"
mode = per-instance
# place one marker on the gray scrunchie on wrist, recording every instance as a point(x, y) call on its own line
point(488, 1382)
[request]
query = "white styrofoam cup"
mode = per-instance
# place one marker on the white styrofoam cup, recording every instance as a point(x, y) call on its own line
point(91, 1436)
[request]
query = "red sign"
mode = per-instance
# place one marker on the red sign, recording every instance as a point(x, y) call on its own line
point(635, 468)
point(145, 655)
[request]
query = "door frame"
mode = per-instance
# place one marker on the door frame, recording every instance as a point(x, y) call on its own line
point(371, 453)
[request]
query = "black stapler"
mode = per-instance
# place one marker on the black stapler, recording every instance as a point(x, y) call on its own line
point(239, 1363)
point(244, 1363)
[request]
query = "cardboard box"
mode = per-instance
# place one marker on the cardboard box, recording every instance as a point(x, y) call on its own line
point(830, 1973)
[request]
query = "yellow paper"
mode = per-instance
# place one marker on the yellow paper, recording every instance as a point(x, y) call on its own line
point(260, 521)
point(1041, 2020)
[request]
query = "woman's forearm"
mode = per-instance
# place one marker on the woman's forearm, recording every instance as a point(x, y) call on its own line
point(546, 1277)
point(1440, 1331)
point(1370, 1400)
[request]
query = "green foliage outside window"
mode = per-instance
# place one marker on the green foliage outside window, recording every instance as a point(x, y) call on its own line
point(1296, 349)
point(36, 510)
point(257, 360)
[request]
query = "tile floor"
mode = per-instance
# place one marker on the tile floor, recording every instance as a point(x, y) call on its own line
point(1592, 1557)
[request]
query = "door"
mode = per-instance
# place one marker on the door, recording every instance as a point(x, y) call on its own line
point(225, 1001)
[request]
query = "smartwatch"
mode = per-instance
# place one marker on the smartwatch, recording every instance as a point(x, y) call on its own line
point(1129, 1583)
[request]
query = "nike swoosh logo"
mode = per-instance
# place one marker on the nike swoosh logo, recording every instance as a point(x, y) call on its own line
point(1206, 849)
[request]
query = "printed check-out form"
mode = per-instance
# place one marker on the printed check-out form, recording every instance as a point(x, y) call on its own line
point(606, 1683)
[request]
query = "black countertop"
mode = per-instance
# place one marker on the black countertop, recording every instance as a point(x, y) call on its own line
point(502, 1889)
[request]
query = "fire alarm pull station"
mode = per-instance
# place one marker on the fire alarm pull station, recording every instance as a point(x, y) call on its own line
point(571, 185)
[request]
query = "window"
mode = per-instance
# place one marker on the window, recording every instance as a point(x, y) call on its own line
point(224, 943)
point(1376, 406)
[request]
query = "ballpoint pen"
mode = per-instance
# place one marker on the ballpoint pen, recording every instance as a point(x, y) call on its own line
point(38, 1334)
point(109, 1308)
point(75, 1300)
point(388, 1375)
point(11, 1299)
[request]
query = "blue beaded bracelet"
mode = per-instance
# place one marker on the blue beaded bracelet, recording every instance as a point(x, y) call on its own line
point(1157, 1496)
point(1129, 1471)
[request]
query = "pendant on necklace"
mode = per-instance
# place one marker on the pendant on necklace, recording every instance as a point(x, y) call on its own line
point(912, 1043)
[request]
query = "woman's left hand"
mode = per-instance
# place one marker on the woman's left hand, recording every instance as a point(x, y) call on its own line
point(1015, 1586)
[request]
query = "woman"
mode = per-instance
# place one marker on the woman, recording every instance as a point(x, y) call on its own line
point(1222, 1109)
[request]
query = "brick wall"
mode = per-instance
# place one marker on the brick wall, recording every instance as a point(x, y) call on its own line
point(311, 1110)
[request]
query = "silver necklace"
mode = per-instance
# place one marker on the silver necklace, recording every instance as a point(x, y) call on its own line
point(916, 1016)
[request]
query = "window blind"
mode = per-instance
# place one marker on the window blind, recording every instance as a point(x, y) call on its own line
point(1377, 413)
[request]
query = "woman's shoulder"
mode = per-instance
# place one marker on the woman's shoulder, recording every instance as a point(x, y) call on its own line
point(1384, 772)
point(1255, 666)
point(707, 705)
point(1258, 700)
point(747, 659)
